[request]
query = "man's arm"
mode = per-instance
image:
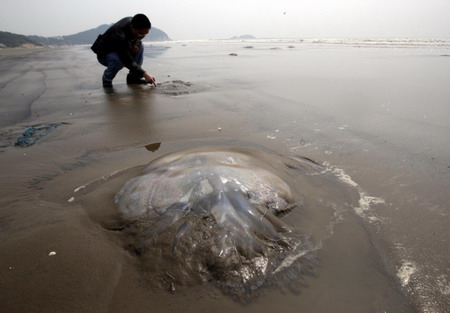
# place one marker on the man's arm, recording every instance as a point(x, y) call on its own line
point(129, 62)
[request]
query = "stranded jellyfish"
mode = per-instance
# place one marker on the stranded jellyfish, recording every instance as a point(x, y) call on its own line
point(216, 215)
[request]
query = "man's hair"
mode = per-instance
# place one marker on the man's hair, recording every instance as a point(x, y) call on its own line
point(140, 21)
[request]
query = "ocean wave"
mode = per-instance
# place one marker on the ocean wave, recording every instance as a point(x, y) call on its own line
point(355, 42)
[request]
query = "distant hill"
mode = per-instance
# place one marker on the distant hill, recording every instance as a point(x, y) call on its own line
point(11, 40)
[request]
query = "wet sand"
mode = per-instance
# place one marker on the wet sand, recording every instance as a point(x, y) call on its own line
point(376, 118)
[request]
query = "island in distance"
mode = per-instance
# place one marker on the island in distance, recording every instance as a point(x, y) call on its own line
point(242, 37)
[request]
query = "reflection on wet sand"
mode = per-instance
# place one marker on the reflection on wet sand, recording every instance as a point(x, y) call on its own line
point(130, 111)
point(153, 146)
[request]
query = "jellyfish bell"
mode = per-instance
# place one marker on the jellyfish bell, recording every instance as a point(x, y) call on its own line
point(214, 214)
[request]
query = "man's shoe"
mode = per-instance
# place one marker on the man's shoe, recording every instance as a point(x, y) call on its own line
point(134, 80)
point(107, 83)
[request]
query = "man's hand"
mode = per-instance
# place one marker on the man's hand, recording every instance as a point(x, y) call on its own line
point(150, 79)
point(136, 48)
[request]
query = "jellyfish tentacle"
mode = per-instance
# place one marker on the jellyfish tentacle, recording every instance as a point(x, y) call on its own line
point(170, 216)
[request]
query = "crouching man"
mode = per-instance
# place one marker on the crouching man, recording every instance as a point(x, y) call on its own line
point(121, 46)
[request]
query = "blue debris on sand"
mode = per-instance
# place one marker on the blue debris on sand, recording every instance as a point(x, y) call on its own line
point(34, 133)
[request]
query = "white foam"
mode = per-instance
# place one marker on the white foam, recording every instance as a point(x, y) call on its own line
point(405, 272)
point(443, 285)
point(365, 201)
point(98, 179)
point(288, 261)
point(420, 284)
point(79, 188)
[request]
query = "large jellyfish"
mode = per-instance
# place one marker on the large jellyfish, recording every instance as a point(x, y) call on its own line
point(215, 215)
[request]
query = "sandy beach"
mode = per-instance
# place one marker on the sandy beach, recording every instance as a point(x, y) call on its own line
point(375, 117)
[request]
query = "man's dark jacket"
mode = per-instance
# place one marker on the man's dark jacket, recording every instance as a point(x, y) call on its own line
point(119, 38)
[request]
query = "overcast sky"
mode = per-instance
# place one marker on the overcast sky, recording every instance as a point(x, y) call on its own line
point(211, 19)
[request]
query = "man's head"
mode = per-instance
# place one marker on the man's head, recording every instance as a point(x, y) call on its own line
point(140, 26)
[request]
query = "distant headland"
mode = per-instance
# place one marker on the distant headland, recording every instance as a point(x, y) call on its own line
point(11, 40)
